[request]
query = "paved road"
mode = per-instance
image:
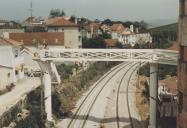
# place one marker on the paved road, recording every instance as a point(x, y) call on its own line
point(103, 110)
point(22, 87)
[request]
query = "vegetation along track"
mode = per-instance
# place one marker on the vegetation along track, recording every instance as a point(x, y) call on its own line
point(90, 92)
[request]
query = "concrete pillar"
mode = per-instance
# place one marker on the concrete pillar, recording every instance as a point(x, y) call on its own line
point(153, 95)
point(47, 96)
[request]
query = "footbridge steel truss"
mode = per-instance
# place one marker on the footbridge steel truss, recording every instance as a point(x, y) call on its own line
point(141, 55)
point(45, 58)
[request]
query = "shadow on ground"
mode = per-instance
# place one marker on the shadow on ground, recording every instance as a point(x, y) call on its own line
point(136, 123)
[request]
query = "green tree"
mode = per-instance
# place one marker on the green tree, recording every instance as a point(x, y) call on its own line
point(105, 35)
point(97, 42)
point(108, 22)
point(65, 70)
point(56, 13)
point(119, 45)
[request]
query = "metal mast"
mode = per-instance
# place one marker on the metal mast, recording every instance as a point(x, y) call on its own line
point(31, 9)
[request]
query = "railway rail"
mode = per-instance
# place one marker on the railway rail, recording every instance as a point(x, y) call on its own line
point(70, 125)
point(117, 98)
point(112, 73)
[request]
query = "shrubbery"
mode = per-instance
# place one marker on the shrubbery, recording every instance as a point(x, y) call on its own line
point(163, 70)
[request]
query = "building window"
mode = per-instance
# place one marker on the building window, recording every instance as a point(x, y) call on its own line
point(16, 53)
point(79, 38)
point(56, 29)
point(8, 75)
point(16, 72)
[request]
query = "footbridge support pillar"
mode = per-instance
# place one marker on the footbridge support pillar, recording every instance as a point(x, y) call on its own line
point(153, 95)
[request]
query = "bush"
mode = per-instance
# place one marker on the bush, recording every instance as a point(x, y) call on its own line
point(97, 42)
point(65, 71)
point(164, 70)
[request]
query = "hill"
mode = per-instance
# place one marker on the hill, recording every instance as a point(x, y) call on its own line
point(164, 36)
point(160, 22)
point(169, 27)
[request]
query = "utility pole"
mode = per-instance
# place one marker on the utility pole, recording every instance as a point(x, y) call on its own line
point(31, 9)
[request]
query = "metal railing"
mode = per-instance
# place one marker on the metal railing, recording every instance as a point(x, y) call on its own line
point(142, 55)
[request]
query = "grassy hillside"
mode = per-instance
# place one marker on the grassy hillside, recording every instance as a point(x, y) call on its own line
point(164, 36)
point(169, 27)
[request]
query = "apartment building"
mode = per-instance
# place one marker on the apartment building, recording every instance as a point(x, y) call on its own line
point(72, 34)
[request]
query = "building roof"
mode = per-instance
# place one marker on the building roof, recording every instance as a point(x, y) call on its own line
point(92, 25)
point(175, 46)
point(170, 83)
point(50, 38)
point(111, 42)
point(30, 19)
point(4, 41)
point(118, 28)
point(60, 22)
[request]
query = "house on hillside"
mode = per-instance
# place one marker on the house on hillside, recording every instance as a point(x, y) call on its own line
point(72, 34)
point(167, 93)
point(127, 36)
point(136, 38)
point(11, 62)
point(33, 24)
point(91, 29)
point(10, 26)
point(116, 31)
point(106, 28)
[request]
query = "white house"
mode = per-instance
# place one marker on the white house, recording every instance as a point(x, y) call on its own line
point(137, 38)
point(91, 29)
point(72, 34)
point(11, 62)
point(126, 35)
point(116, 31)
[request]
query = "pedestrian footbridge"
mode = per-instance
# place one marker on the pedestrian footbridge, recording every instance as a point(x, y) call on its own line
point(45, 58)
point(136, 55)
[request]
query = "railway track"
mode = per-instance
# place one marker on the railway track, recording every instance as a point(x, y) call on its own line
point(119, 67)
point(118, 93)
point(132, 123)
point(112, 73)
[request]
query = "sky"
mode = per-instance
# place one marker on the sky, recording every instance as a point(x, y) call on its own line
point(124, 10)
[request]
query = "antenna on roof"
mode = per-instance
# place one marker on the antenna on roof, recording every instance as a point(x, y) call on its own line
point(31, 9)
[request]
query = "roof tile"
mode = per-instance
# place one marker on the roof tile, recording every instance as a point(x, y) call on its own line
point(50, 38)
